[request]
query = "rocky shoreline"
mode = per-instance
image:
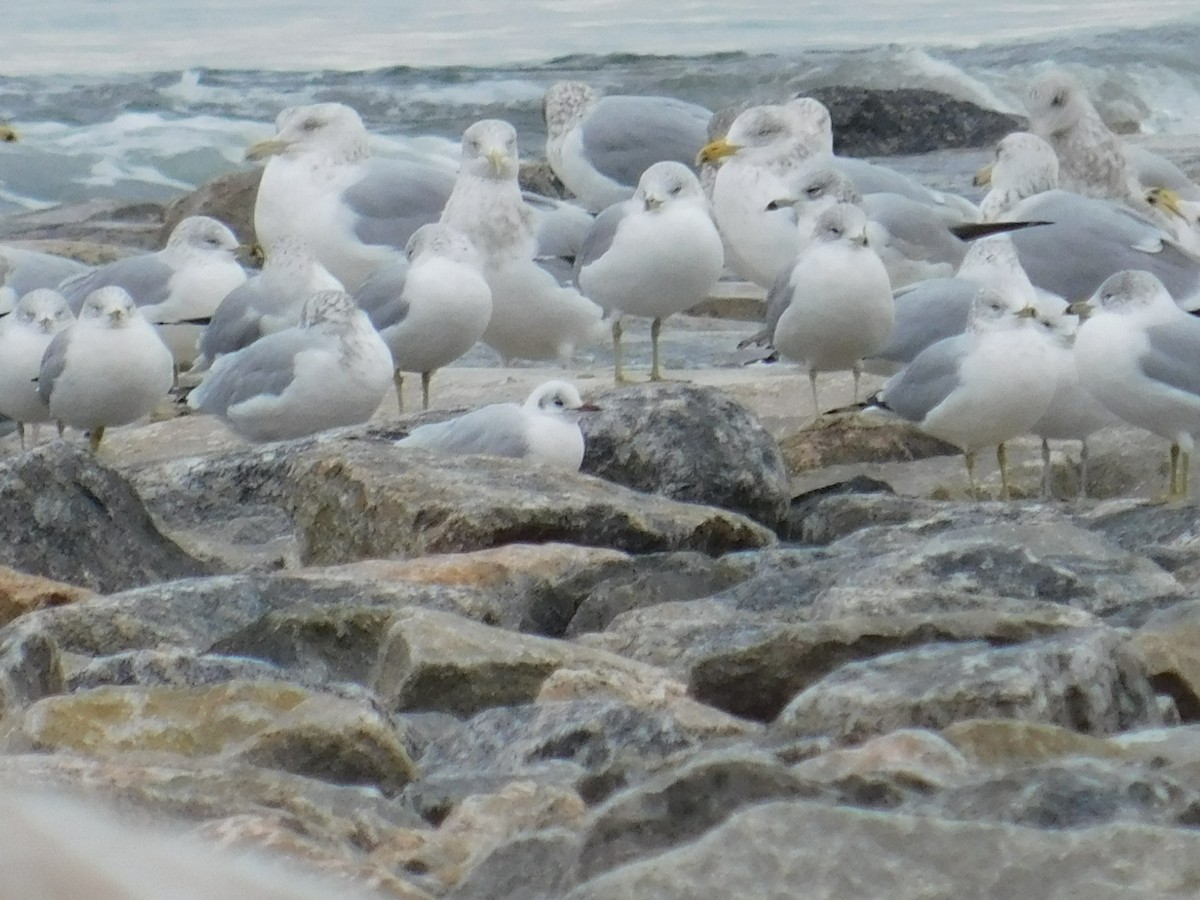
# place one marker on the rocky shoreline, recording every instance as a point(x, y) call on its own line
point(739, 655)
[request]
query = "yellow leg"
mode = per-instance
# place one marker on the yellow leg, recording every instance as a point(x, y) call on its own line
point(618, 368)
point(95, 436)
point(655, 370)
point(857, 371)
point(969, 460)
point(1002, 461)
point(1173, 473)
point(398, 381)
point(1185, 464)
point(812, 383)
point(1045, 491)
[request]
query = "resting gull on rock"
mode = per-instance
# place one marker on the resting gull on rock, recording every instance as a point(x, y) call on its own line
point(24, 337)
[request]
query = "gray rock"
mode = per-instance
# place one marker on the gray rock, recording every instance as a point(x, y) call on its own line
point(765, 852)
point(65, 515)
point(30, 668)
point(1088, 680)
point(538, 866)
point(227, 198)
point(689, 443)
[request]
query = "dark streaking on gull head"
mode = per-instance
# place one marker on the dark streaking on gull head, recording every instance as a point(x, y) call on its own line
point(544, 430)
point(322, 184)
point(109, 367)
point(330, 370)
point(600, 145)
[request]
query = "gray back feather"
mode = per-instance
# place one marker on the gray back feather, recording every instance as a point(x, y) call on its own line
point(494, 430)
point(927, 312)
point(625, 135)
point(916, 390)
point(146, 277)
point(600, 238)
point(395, 198)
point(265, 368)
point(1173, 357)
point(54, 360)
point(381, 296)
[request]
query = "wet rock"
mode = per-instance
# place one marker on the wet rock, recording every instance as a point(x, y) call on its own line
point(1089, 681)
point(227, 198)
point(1172, 660)
point(839, 439)
point(270, 725)
point(100, 230)
point(767, 850)
point(66, 516)
point(875, 122)
point(689, 443)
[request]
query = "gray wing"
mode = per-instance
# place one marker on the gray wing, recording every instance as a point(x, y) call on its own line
point(394, 198)
point(928, 380)
point(1088, 239)
point(54, 360)
point(559, 228)
point(1173, 357)
point(779, 296)
point(917, 230)
point(496, 430)
point(30, 270)
point(236, 323)
point(146, 277)
point(1158, 171)
point(265, 368)
point(381, 296)
point(871, 178)
point(600, 238)
point(624, 135)
point(927, 312)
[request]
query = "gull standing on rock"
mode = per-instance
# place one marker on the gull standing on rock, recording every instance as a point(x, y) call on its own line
point(267, 302)
point(533, 317)
point(109, 367)
point(330, 370)
point(184, 282)
point(24, 337)
point(599, 146)
point(834, 306)
point(431, 309)
point(322, 184)
point(1137, 353)
point(981, 388)
point(543, 430)
point(654, 255)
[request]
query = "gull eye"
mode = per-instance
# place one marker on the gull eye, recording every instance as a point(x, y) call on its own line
point(1059, 99)
point(674, 192)
point(813, 190)
point(558, 401)
point(311, 124)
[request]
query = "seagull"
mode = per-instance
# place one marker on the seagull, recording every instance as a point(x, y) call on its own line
point(176, 287)
point(533, 317)
point(22, 271)
point(321, 183)
point(654, 255)
point(1136, 352)
point(544, 430)
point(978, 389)
point(24, 337)
point(267, 302)
point(330, 370)
point(599, 146)
point(109, 367)
point(834, 306)
point(430, 309)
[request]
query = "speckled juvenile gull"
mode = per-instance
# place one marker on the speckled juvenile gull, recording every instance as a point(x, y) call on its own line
point(544, 430)
point(533, 316)
point(764, 146)
point(599, 146)
point(1074, 413)
point(1087, 239)
point(980, 388)
point(330, 370)
point(109, 367)
point(322, 184)
point(184, 282)
point(835, 306)
point(22, 271)
point(24, 337)
point(431, 309)
point(1136, 352)
point(654, 255)
point(268, 301)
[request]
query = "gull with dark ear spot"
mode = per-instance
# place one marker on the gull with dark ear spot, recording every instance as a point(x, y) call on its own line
point(24, 337)
point(1136, 351)
point(330, 370)
point(544, 430)
point(433, 308)
point(109, 367)
point(184, 282)
point(654, 255)
point(599, 146)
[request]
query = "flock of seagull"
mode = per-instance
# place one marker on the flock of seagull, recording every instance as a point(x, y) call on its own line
point(1056, 307)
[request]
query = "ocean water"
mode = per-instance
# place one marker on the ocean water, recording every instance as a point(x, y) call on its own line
point(143, 99)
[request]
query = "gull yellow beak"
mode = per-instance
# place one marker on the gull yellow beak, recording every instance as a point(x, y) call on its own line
point(652, 203)
point(497, 158)
point(712, 153)
point(984, 176)
point(1080, 308)
point(8, 134)
point(1167, 199)
point(1027, 312)
point(265, 149)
